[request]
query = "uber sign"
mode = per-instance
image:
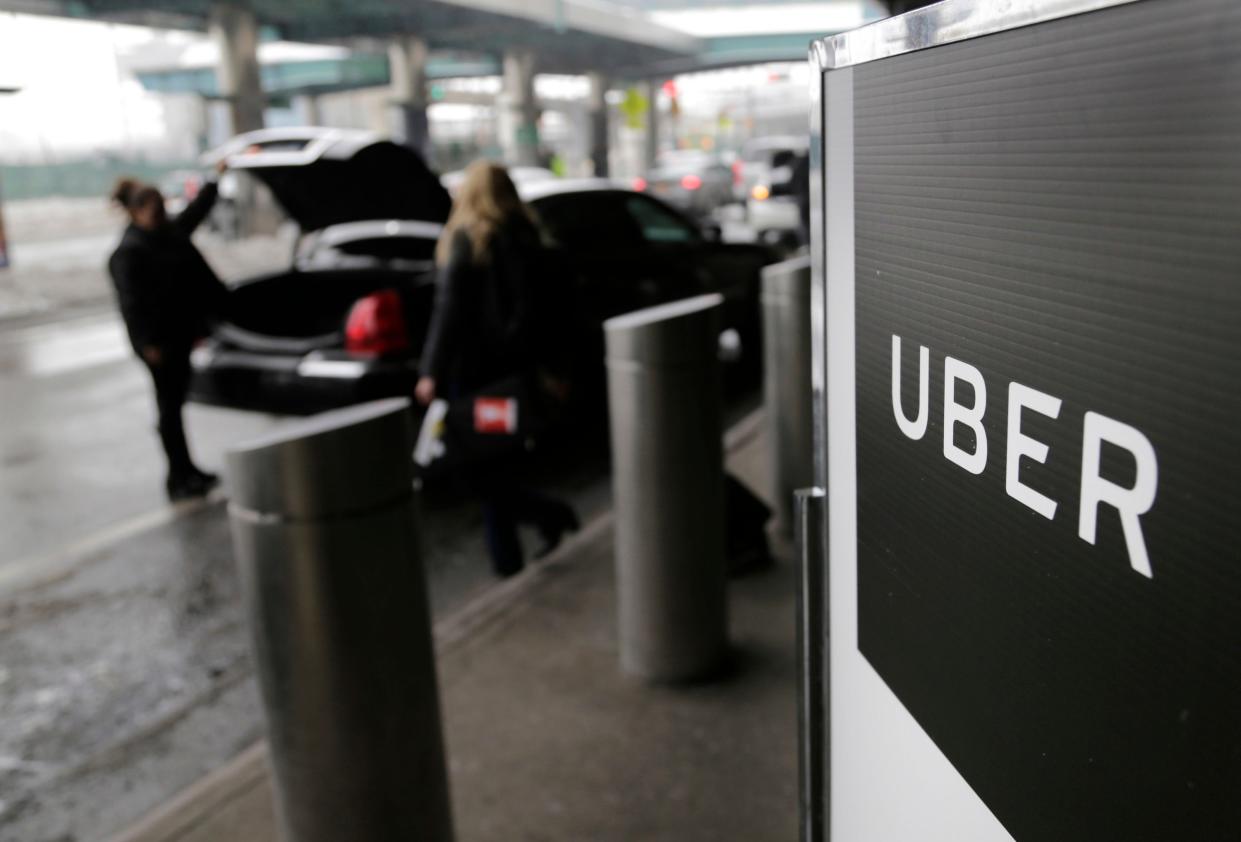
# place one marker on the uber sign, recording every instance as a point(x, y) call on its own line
point(1048, 414)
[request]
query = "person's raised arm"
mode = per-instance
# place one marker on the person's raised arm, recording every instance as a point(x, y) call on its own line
point(196, 211)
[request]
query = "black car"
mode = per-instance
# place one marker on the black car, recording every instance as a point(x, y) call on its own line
point(629, 250)
point(347, 324)
point(339, 326)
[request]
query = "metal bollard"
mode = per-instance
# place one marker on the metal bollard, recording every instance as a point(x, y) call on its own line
point(333, 587)
point(786, 382)
point(664, 398)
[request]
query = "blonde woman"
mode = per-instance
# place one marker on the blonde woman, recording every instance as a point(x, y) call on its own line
point(490, 322)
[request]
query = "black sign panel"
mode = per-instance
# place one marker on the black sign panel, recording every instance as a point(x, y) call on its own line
point(1048, 230)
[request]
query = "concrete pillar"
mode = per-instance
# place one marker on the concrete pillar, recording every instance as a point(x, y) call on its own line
point(4, 243)
point(307, 108)
point(407, 70)
point(235, 30)
point(650, 150)
point(518, 113)
point(598, 115)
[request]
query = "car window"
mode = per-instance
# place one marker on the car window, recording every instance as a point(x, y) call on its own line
point(589, 221)
point(783, 158)
point(658, 224)
point(391, 248)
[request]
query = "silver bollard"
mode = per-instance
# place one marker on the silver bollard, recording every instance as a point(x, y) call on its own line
point(664, 399)
point(786, 382)
point(332, 581)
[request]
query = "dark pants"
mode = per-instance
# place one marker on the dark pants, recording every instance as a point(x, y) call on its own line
point(506, 505)
point(505, 502)
point(172, 384)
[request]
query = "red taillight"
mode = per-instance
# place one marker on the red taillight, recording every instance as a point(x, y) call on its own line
point(639, 184)
point(376, 325)
point(737, 172)
point(691, 182)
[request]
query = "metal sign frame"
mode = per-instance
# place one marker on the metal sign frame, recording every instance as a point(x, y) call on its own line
point(828, 531)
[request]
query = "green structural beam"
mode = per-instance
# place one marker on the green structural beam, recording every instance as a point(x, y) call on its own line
point(320, 75)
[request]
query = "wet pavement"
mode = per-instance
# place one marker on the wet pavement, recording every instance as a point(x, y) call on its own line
point(124, 670)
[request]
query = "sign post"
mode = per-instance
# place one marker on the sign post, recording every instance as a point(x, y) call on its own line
point(1027, 292)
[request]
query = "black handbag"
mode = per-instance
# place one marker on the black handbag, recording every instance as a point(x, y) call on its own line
point(499, 421)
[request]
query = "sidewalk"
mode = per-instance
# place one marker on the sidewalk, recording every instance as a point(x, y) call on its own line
point(548, 741)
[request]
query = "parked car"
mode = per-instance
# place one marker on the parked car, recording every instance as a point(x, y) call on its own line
point(693, 181)
point(338, 326)
point(629, 250)
point(764, 171)
point(347, 322)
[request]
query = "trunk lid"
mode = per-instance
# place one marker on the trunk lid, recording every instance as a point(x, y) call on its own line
point(324, 177)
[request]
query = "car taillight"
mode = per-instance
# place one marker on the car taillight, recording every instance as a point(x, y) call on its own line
point(737, 173)
point(691, 182)
point(761, 192)
point(639, 184)
point(376, 325)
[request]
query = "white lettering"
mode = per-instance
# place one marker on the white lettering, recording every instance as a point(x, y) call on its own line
point(916, 428)
point(1131, 503)
point(955, 413)
point(1019, 445)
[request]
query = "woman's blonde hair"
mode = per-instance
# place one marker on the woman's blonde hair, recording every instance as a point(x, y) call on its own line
point(487, 199)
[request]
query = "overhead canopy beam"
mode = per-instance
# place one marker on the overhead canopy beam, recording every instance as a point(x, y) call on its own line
point(569, 36)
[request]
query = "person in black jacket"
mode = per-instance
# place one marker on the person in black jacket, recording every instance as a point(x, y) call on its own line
point(495, 318)
point(168, 296)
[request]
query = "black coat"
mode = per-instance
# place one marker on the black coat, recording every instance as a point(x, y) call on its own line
point(167, 292)
point(496, 317)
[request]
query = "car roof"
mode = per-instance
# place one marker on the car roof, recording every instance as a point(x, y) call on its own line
point(543, 189)
point(766, 144)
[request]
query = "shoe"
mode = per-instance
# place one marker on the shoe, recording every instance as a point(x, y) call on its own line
point(204, 480)
point(196, 484)
point(183, 488)
point(564, 521)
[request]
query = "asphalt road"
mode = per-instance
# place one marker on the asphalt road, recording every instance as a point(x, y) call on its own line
point(124, 667)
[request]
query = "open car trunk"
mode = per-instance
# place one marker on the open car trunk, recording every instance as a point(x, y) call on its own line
point(297, 312)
